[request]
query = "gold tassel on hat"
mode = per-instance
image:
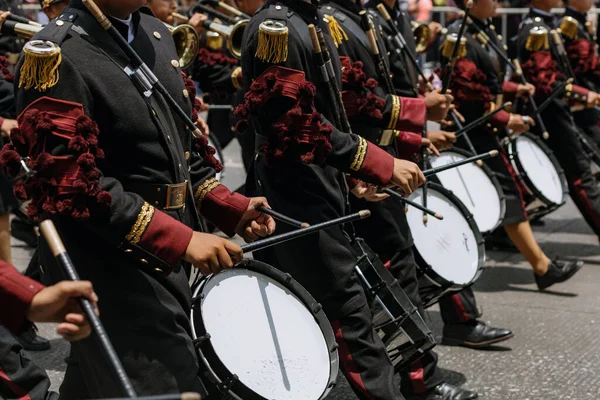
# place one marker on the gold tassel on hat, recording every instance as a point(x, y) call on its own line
point(538, 39)
point(335, 30)
point(272, 42)
point(568, 27)
point(40, 65)
point(449, 43)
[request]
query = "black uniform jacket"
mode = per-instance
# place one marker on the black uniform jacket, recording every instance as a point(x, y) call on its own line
point(539, 62)
point(372, 110)
point(99, 147)
point(478, 78)
point(582, 52)
point(286, 102)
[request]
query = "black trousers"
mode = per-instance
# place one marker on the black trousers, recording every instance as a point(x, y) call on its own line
point(587, 121)
point(459, 308)
point(388, 234)
point(20, 377)
point(324, 263)
point(565, 144)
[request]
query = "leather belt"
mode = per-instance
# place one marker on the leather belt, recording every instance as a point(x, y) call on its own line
point(163, 196)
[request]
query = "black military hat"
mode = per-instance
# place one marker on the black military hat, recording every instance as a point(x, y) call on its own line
point(45, 3)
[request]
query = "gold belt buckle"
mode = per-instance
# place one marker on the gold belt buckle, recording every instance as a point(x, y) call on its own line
point(176, 195)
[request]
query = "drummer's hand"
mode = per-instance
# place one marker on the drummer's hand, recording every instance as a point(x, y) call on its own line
point(3, 17)
point(212, 254)
point(407, 176)
point(519, 123)
point(58, 303)
point(197, 22)
point(425, 142)
point(441, 139)
point(254, 224)
point(437, 105)
point(525, 90)
point(368, 192)
point(592, 100)
point(203, 126)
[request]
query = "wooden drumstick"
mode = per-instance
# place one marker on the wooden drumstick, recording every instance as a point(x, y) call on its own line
point(175, 396)
point(413, 204)
point(484, 156)
point(282, 217)
point(58, 250)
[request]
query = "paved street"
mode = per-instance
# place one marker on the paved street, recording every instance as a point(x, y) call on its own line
point(554, 354)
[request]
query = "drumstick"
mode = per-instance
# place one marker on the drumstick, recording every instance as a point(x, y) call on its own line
point(481, 119)
point(58, 250)
point(284, 237)
point(557, 91)
point(283, 218)
point(175, 396)
point(484, 156)
point(412, 203)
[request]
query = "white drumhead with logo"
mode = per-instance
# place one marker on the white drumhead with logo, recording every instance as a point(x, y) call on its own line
point(449, 246)
point(539, 169)
point(473, 186)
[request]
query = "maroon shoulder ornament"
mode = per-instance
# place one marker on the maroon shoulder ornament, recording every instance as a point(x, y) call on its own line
point(201, 146)
point(68, 184)
point(299, 132)
point(357, 96)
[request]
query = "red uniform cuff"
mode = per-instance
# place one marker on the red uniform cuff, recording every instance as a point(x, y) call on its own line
point(509, 87)
point(377, 166)
point(16, 293)
point(412, 114)
point(224, 209)
point(407, 144)
point(351, 181)
point(166, 238)
point(500, 119)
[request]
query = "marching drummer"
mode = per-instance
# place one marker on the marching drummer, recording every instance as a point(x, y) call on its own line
point(123, 181)
point(479, 86)
point(536, 50)
point(387, 231)
point(300, 168)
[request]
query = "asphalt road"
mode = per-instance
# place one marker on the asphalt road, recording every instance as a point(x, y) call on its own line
point(555, 351)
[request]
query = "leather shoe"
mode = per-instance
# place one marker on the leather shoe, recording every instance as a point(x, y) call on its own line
point(30, 340)
point(446, 391)
point(474, 334)
point(558, 271)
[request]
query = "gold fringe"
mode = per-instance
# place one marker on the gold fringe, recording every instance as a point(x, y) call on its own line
point(537, 40)
point(568, 27)
point(272, 44)
point(449, 43)
point(359, 157)
point(214, 41)
point(39, 71)
point(335, 30)
point(204, 189)
point(141, 224)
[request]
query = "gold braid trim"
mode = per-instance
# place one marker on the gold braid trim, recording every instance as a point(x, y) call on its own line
point(396, 106)
point(235, 77)
point(140, 226)
point(335, 30)
point(359, 157)
point(204, 189)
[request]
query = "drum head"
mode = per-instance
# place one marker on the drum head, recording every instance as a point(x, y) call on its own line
point(539, 169)
point(450, 246)
point(264, 334)
point(475, 188)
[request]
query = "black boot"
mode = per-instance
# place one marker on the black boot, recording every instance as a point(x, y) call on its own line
point(474, 334)
point(558, 271)
point(30, 340)
point(446, 391)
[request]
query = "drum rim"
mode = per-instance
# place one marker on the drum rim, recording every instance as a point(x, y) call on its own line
point(513, 156)
point(218, 371)
point(495, 182)
point(435, 277)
